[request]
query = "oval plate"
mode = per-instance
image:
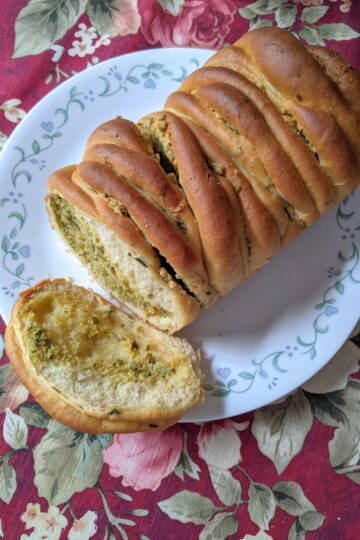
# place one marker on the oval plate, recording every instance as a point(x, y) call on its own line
point(260, 342)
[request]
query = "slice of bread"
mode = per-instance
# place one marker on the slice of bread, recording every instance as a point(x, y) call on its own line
point(95, 368)
point(117, 255)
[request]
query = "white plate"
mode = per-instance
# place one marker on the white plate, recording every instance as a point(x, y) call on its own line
point(262, 340)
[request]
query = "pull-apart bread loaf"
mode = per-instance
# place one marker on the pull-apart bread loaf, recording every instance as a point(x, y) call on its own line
point(174, 212)
point(95, 368)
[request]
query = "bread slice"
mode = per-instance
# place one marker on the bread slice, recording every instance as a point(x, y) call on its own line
point(95, 368)
point(117, 254)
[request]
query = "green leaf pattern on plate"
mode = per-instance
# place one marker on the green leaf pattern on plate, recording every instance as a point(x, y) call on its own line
point(30, 160)
point(271, 367)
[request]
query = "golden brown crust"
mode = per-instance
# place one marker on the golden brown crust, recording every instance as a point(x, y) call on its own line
point(260, 233)
point(160, 232)
point(276, 62)
point(335, 154)
point(119, 132)
point(236, 109)
point(60, 182)
point(144, 171)
point(250, 166)
point(55, 403)
point(341, 73)
point(303, 159)
point(219, 224)
point(126, 229)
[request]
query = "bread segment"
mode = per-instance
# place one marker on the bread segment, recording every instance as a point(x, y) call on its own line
point(95, 368)
point(245, 159)
point(122, 133)
point(245, 119)
point(117, 254)
point(342, 74)
point(306, 97)
point(166, 237)
point(306, 164)
point(145, 173)
point(218, 218)
point(260, 235)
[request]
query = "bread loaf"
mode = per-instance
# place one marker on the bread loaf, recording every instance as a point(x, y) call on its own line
point(95, 368)
point(174, 212)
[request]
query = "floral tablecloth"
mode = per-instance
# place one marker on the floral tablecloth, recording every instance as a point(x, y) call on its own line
point(290, 470)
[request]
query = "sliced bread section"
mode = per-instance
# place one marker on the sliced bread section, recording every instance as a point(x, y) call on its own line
point(117, 254)
point(94, 367)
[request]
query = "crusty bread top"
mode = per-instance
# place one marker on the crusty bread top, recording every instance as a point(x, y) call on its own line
point(120, 132)
point(77, 353)
point(287, 119)
point(260, 232)
point(126, 150)
point(164, 235)
point(304, 160)
point(293, 80)
point(217, 216)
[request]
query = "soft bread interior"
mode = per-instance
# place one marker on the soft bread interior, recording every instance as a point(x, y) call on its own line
point(102, 361)
point(149, 292)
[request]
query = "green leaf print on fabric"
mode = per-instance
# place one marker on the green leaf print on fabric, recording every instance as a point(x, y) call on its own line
point(339, 408)
point(3, 139)
point(34, 414)
point(186, 465)
point(327, 408)
point(40, 24)
point(285, 16)
point(311, 36)
point(291, 498)
point(12, 392)
point(67, 462)
point(247, 13)
point(228, 489)
point(313, 13)
point(220, 527)
point(172, 6)
point(263, 7)
point(261, 505)
point(296, 531)
point(15, 430)
point(309, 521)
point(102, 14)
point(312, 520)
point(337, 31)
point(7, 482)
point(281, 429)
point(188, 507)
point(344, 451)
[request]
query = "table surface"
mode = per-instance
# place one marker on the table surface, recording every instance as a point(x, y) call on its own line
point(290, 470)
